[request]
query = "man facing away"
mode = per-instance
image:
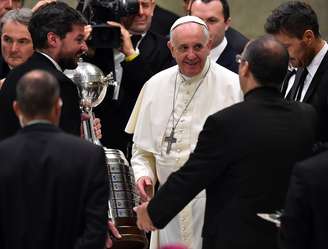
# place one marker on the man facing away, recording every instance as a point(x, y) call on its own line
point(170, 112)
point(243, 158)
point(304, 223)
point(58, 43)
point(295, 24)
point(53, 186)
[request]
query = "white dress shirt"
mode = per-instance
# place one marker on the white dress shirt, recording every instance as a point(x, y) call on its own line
point(312, 68)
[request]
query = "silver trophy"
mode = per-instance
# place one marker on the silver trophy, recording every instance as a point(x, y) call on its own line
point(92, 86)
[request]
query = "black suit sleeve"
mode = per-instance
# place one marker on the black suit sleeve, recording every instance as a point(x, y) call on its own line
point(154, 57)
point(296, 225)
point(9, 123)
point(204, 165)
point(94, 234)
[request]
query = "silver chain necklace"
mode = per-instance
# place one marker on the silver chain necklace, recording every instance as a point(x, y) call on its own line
point(171, 139)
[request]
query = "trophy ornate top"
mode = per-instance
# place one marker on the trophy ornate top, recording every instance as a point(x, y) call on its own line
point(91, 83)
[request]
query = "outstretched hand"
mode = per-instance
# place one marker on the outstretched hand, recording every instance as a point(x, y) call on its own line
point(145, 188)
point(144, 222)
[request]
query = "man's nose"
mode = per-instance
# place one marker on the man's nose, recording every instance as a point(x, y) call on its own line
point(14, 47)
point(191, 54)
point(141, 10)
point(8, 4)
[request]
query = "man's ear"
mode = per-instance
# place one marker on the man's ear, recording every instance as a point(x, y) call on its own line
point(209, 44)
point(227, 23)
point(308, 37)
point(16, 108)
point(171, 47)
point(244, 68)
point(56, 111)
point(53, 39)
point(58, 106)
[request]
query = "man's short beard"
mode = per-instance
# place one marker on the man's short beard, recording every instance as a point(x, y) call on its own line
point(67, 63)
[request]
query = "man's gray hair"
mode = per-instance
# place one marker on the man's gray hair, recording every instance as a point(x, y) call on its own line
point(22, 16)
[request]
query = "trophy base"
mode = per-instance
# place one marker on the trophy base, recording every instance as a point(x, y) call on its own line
point(132, 238)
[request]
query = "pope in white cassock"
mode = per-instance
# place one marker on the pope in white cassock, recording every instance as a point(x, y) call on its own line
point(168, 116)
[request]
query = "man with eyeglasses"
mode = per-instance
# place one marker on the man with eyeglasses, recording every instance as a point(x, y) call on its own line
point(170, 112)
point(243, 158)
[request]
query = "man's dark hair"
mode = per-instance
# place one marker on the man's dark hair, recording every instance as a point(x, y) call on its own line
point(36, 93)
point(268, 60)
point(225, 5)
point(293, 18)
point(56, 17)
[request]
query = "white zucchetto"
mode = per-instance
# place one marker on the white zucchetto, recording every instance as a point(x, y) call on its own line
point(187, 19)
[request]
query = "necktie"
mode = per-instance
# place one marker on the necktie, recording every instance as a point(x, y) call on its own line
point(135, 39)
point(284, 86)
point(300, 85)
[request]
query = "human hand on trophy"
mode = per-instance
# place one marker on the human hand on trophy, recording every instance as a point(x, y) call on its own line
point(145, 188)
point(113, 232)
point(96, 125)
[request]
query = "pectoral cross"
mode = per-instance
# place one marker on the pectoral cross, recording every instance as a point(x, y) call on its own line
point(170, 140)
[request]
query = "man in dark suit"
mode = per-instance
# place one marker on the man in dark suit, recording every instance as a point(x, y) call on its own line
point(142, 54)
point(53, 186)
point(295, 24)
point(16, 42)
point(58, 46)
point(216, 14)
point(4, 68)
point(304, 224)
point(243, 158)
point(236, 39)
point(162, 21)
point(5, 5)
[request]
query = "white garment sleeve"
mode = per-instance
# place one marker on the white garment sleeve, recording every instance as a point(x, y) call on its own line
point(143, 163)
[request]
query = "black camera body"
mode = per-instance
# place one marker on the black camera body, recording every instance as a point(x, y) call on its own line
point(98, 12)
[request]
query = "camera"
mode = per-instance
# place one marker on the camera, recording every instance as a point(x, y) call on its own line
point(98, 12)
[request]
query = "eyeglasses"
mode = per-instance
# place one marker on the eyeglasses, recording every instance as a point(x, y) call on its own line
point(239, 58)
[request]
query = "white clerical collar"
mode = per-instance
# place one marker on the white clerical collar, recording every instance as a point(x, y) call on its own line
point(315, 63)
point(52, 60)
point(217, 51)
point(189, 80)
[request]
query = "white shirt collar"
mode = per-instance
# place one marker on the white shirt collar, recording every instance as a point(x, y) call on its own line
point(52, 60)
point(312, 68)
point(217, 51)
point(315, 63)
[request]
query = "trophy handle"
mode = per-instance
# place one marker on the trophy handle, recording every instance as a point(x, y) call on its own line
point(88, 130)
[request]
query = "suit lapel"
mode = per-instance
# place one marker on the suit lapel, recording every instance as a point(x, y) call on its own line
point(317, 78)
point(227, 59)
point(292, 93)
point(284, 85)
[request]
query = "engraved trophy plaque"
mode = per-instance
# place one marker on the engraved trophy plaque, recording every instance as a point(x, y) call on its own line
point(92, 84)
